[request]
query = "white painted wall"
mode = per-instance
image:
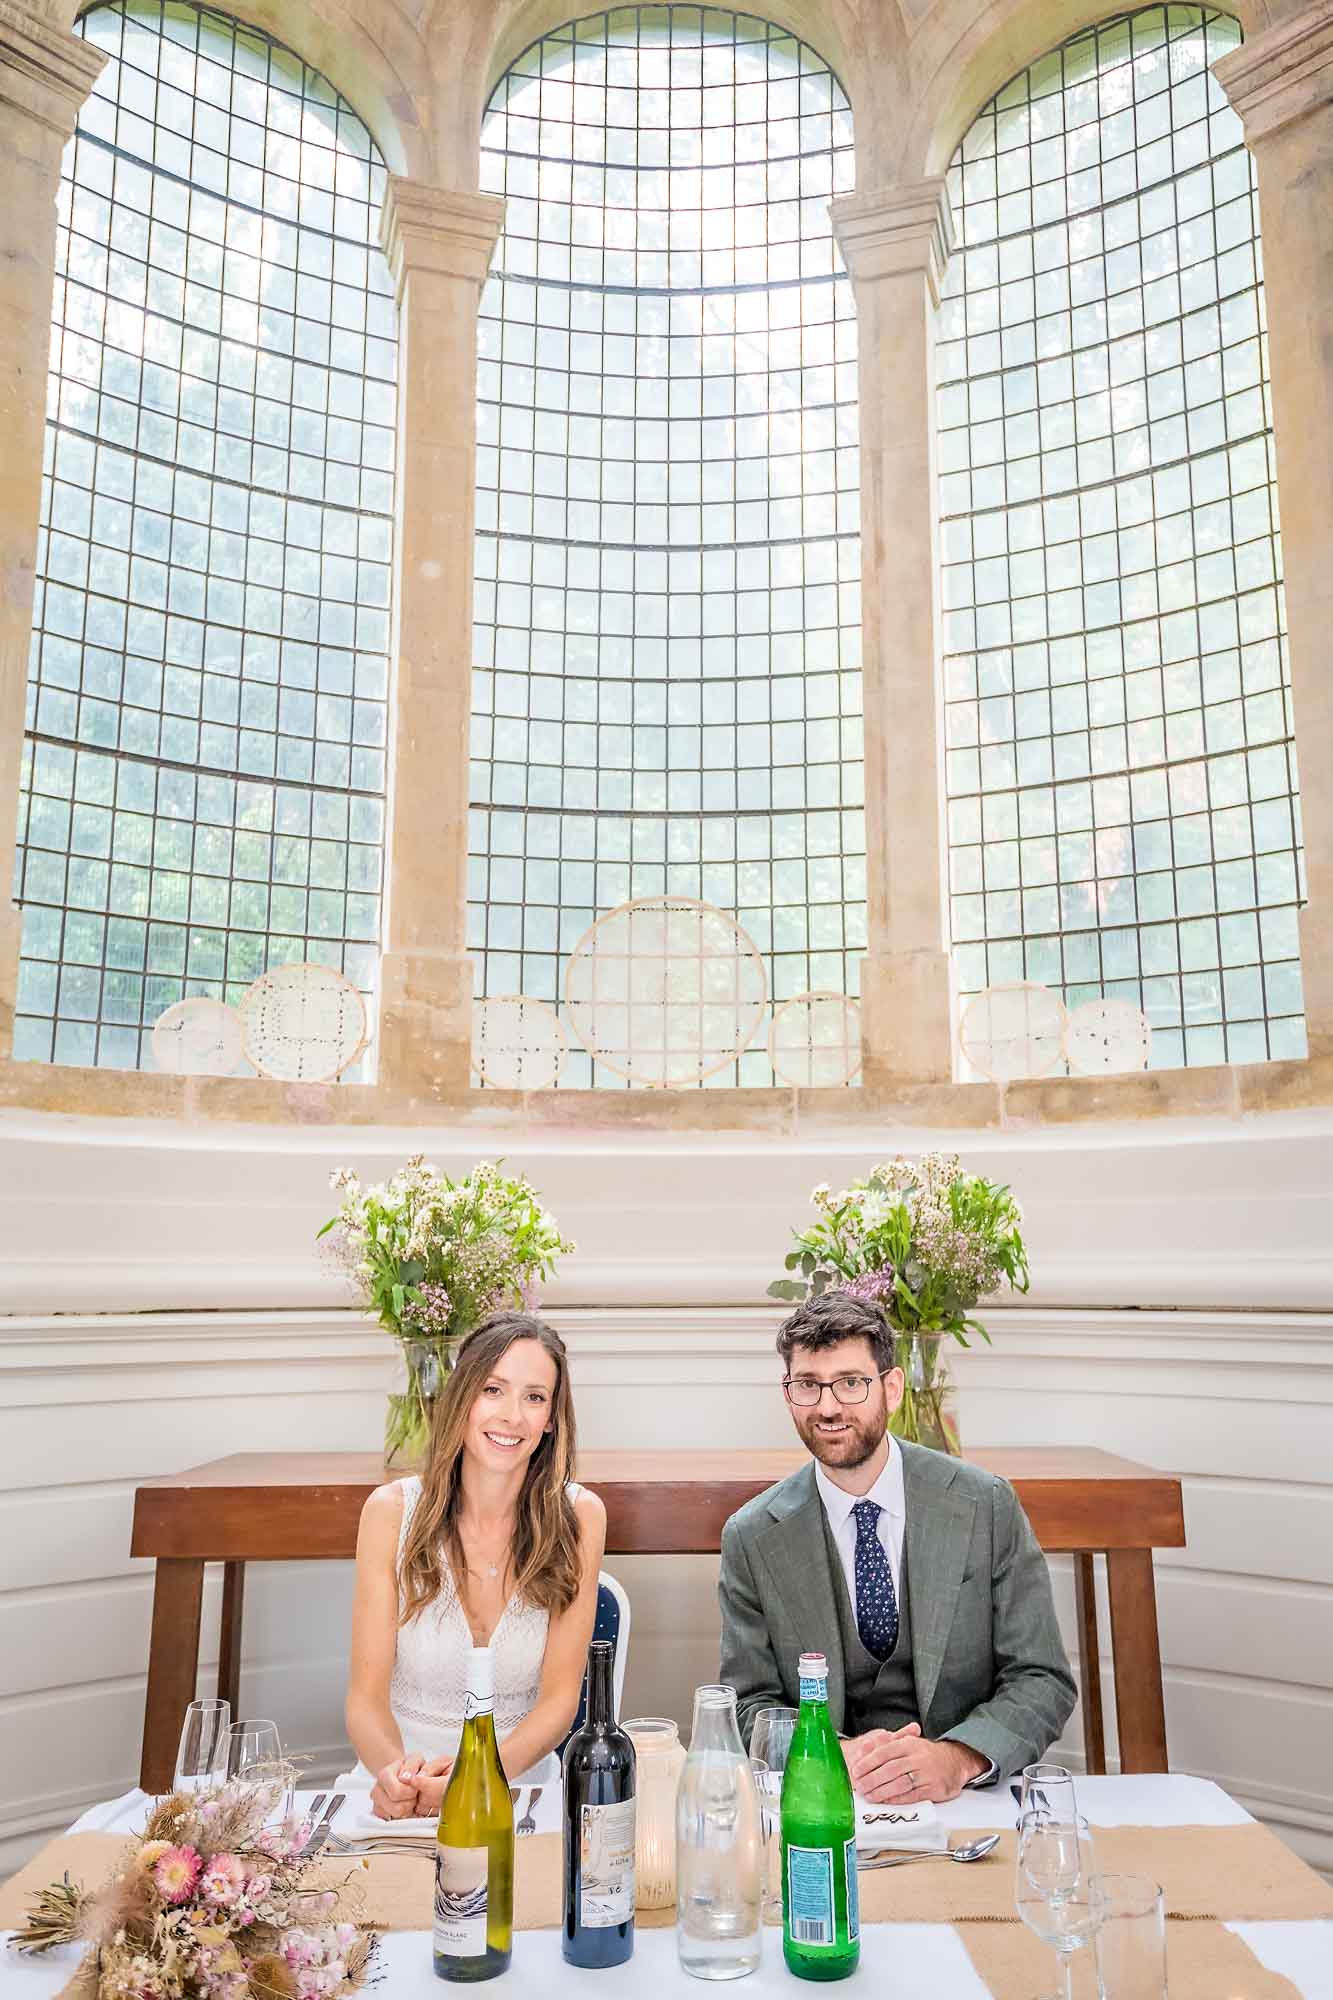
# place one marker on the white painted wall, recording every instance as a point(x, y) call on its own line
point(164, 1307)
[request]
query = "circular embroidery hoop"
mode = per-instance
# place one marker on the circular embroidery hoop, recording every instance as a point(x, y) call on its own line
point(198, 1037)
point(814, 1041)
point(1009, 1032)
point(666, 991)
point(303, 1023)
point(1107, 1038)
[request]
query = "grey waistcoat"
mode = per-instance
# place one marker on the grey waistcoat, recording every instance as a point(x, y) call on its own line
point(877, 1697)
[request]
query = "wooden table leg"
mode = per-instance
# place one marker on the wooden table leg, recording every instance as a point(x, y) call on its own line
point(1140, 1710)
point(229, 1643)
point(1090, 1664)
point(173, 1665)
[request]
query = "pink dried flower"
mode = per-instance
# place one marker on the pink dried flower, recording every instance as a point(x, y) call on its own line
point(176, 1872)
point(223, 1879)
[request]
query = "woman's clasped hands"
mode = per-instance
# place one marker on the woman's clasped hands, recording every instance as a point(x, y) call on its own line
point(410, 1787)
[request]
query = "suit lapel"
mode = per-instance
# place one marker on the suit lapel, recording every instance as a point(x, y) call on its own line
point(796, 1555)
point(938, 1536)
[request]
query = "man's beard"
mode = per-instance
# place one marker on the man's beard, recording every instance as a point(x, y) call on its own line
point(847, 1449)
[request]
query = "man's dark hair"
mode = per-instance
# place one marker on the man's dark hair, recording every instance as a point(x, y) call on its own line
point(824, 1321)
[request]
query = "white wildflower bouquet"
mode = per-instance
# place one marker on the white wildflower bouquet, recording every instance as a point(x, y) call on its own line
point(924, 1242)
point(431, 1257)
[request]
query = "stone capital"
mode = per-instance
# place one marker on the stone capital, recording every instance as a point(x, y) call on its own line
point(45, 72)
point(441, 230)
point(1283, 74)
point(895, 232)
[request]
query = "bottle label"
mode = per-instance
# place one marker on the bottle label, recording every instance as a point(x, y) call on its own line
point(814, 1687)
point(853, 1891)
point(477, 1704)
point(810, 1895)
point(606, 1866)
point(460, 1901)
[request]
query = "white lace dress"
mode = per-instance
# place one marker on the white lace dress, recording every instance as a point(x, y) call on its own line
point(430, 1665)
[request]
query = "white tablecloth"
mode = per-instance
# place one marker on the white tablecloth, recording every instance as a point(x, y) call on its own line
point(904, 1959)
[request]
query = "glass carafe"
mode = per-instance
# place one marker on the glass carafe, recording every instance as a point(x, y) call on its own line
point(719, 1846)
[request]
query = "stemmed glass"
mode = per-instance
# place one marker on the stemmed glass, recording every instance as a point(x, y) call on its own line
point(202, 1752)
point(770, 1742)
point(1054, 1891)
point(253, 1758)
point(1048, 1788)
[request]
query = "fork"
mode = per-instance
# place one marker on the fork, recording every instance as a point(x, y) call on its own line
point(528, 1823)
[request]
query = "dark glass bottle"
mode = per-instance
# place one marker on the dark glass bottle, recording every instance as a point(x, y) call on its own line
point(599, 1828)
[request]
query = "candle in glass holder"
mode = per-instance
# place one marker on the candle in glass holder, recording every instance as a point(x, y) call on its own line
point(660, 1756)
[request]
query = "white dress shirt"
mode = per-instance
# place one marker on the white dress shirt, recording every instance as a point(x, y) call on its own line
point(890, 1496)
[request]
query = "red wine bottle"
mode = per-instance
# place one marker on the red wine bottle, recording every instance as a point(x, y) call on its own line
point(599, 1828)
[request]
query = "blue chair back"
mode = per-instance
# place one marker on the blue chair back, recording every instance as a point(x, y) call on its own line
point(611, 1622)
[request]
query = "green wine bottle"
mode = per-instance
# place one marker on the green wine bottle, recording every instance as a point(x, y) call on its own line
point(474, 1861)
point(821, 1924)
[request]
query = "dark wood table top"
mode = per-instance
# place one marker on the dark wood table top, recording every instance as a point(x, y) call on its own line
point(257, 1506)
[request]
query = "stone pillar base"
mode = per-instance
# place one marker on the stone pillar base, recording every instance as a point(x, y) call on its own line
point(425, 1037)
point(11, 931)
point(1316, 935)
point(906, 1018)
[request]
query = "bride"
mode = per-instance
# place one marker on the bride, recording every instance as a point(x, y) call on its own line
point(492, 1546)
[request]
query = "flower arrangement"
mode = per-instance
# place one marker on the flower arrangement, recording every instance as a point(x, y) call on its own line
point(209, 1905)
point(923, 1241)
point(431, 1257)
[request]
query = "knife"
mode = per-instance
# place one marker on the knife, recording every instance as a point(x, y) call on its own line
point(325, 1827)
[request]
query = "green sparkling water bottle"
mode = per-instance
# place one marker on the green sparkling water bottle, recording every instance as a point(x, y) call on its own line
point(821, 1927)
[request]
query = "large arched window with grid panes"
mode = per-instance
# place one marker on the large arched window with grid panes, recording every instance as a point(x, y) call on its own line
point(204, 772)
point(667, 624)
point(1122, 795)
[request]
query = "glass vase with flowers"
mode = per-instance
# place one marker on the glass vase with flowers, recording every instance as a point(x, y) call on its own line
point(924, 1241)
point(431, 1257)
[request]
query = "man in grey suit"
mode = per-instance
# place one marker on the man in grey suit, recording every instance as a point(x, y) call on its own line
point(917, 1575)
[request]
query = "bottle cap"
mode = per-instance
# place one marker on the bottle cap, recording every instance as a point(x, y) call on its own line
point(813, 1667)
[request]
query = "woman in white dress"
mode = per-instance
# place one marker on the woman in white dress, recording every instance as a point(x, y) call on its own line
point(492, 1545)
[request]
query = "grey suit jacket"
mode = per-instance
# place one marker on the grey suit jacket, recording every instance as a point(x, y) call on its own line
point(989, 1665)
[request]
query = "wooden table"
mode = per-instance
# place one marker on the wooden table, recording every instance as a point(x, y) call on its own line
point(299, 1506)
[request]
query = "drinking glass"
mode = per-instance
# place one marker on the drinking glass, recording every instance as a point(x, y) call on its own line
point(770, 1742)
point(202, 1752)
point(1131, 1938)
point(254, 1759)
point(1048, 1788)
point(1053, 1888)
point(719, 1846)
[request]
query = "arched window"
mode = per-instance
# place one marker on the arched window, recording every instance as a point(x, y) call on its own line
point(667, 628)
point(1121, 773)
point(204, 775)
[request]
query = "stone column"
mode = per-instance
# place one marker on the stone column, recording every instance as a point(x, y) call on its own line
point(1281, 87)
point(439, 245)
point(45, 74)
point(895, 243)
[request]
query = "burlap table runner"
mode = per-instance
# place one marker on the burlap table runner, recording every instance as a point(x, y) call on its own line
point(1203, 1961)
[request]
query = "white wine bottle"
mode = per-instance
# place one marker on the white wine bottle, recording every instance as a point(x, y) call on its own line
point(474, 1860)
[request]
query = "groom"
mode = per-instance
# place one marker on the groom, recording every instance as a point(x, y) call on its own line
point(916, 1574)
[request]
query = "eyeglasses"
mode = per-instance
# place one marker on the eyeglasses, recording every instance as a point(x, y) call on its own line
point(805, 1391)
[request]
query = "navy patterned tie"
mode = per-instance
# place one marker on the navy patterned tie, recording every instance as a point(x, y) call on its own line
point(876, 1601)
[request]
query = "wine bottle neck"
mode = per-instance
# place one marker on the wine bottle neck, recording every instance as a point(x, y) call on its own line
point(601, 1704)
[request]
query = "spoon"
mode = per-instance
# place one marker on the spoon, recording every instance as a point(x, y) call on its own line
point(972, 1850)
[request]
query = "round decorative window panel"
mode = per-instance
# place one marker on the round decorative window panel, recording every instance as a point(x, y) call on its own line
point(665, 992)
point(303, 1023)
point(1010, 1032)
point(198, 1038)
point(814, 1041)
point(517, 1043)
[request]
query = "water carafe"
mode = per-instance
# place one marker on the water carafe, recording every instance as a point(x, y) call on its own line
point(719, 1846)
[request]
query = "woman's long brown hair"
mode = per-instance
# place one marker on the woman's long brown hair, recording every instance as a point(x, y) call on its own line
point(544, 1558)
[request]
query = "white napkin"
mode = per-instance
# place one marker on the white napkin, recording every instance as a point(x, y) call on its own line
point(356, 1821)
point(897, 1826)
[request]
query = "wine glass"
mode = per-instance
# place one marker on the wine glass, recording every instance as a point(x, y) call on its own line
point(770, 1743)
point(1054, 1891)
point(253, 1759)
point(202, 1752)
point(1048, 1788)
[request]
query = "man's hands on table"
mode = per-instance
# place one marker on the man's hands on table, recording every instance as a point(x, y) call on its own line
point(410, 1787)
point(903, 1767)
